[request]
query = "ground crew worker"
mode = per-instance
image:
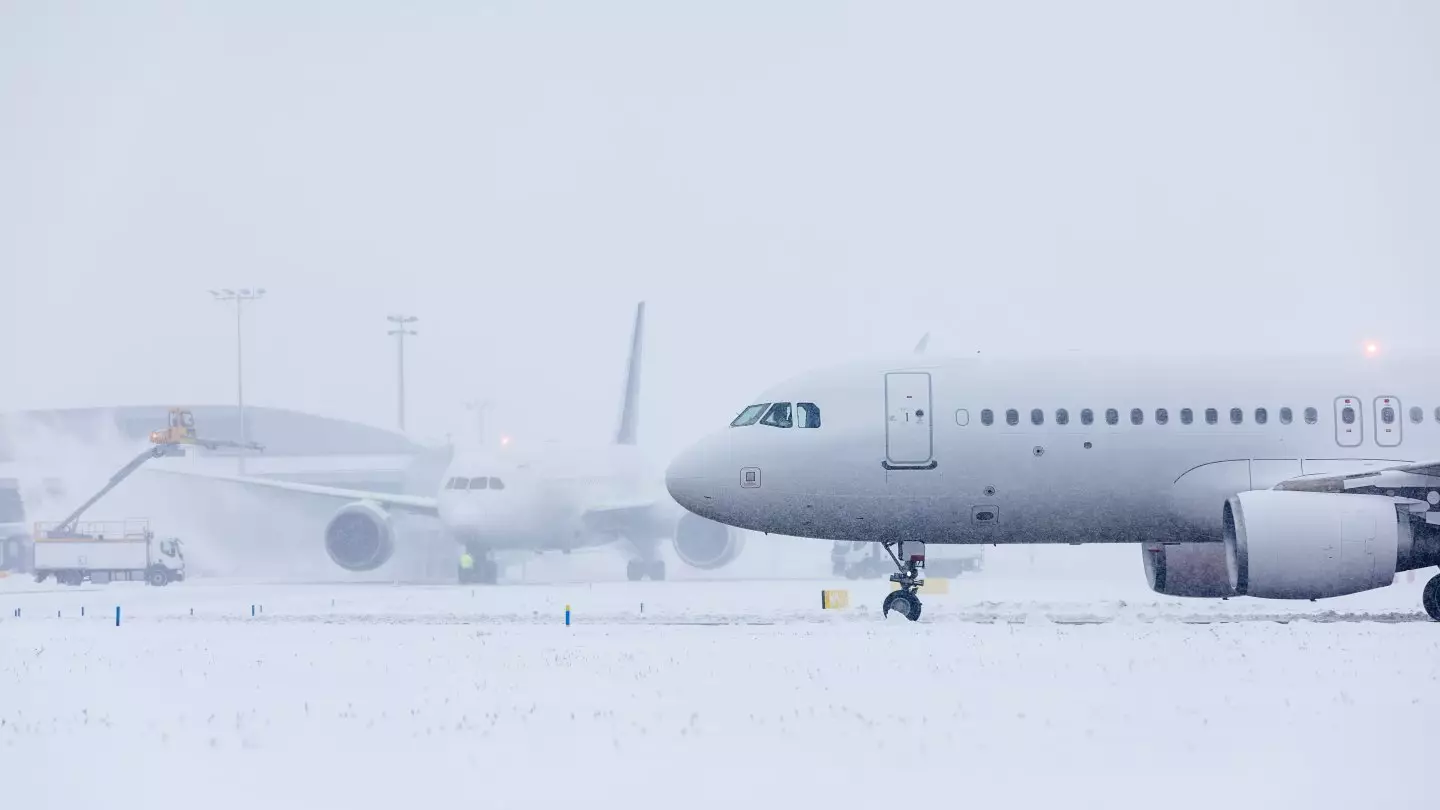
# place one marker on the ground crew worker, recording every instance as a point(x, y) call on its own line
point(466, 561)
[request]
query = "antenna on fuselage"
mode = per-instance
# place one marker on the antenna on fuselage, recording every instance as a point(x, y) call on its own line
point(630, 407)
point(924, 341)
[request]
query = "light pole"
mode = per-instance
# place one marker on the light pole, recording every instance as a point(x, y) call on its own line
point(400, 331)
point(239, 297)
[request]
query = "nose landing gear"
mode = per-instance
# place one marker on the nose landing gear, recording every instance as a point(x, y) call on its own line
point(910, 559)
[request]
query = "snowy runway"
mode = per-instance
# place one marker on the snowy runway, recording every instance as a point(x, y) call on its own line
point(715, 695)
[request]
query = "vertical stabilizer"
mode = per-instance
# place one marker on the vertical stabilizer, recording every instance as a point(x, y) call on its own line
point(630, 409)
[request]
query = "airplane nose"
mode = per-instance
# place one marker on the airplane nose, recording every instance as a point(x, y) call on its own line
point(689, 477)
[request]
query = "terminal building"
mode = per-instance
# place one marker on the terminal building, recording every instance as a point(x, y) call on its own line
point(49, 459)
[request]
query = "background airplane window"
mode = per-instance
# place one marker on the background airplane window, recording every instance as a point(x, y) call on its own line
point(1037, 416)
point(778, 416)
point(1212, 416)
point(987, 417)
point(455, 483)
point(1387, 415)
point(749, 416)
point(1012, 417)
point(1112, 416)
point(1286, 415)
point(1236, 416)
point(1162, 416)
point(1437, 414)
point(1186, 416)
point(1312, 416)
point(809, 414)
point(477, 483)
point(1087, 416)
point(1261, 416)
point(1417, 414)
point(496, 483)
point(1137, 416)
point(962, 417)
point(1062, 416)
point(1348, 415)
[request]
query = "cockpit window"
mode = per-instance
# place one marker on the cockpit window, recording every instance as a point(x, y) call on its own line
point(477, 483)
point(455, 483)
point(749, 416)
point(496, 483)
point(778, 416)
point(809, 414)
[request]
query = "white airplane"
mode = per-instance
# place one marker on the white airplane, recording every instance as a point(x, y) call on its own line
point(1282, 478)
point(550, 499)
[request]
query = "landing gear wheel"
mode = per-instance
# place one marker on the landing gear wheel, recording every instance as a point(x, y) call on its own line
point(903, 602)
point(910, 576)
point(1431, 598)
point(657, 570)
point(634, 570)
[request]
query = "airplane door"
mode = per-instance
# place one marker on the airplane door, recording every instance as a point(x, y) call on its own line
point(1387, 421)
point(908, 420)
point(1349, 422)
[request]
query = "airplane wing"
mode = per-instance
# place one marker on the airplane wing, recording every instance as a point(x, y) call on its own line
point(415, 504)
point(1415, 474)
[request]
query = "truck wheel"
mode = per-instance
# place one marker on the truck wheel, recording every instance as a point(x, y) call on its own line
point(158, 577)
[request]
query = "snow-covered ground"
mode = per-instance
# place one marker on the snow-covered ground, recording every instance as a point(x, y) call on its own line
point(1011, 692)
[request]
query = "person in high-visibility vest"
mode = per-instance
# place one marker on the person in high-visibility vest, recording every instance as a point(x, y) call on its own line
point(466, 561)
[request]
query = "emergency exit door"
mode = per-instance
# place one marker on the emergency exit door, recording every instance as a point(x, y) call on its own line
point(909, 438)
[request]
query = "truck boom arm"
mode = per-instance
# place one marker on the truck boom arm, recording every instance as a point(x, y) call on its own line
point(68, 524)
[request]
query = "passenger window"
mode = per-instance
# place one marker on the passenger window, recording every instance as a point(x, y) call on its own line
point(1137, 416)
point(1261, 416)
point(809, 414)
point(1286, 415)
point(1037, 416)
point(1112, 416)
point(962, 417)
point(1087, 417)
point(1212, 416)
point(778, 416)
point(987, 417)
point(749, 416)
point(1186, 416)
point(1012, 417)
point(1417, 415)
point(477, 483)
point(1236, 416)
point(496, 483)
point(1387, 415)
point(1062, 416)
point(1312, 416)
point(1348, 415)
point(1162, 416)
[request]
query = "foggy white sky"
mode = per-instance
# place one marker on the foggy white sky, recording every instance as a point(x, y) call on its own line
point(785, 183)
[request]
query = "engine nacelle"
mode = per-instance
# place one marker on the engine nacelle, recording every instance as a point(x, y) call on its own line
point(1282, 544)
point(360, 537)
point(1187, 569)
point(702, 543)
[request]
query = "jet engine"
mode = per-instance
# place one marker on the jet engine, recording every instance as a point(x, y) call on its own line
point(1282, 544)
point(702, 543)
point(360, 537)
point(1187, 569)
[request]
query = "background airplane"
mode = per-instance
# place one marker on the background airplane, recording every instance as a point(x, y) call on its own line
point(548, 498)
point(1286, 478)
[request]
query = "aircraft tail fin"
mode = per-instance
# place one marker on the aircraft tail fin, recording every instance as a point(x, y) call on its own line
point(630, 409)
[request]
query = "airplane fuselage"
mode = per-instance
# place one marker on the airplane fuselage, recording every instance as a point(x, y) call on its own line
point(904, 450)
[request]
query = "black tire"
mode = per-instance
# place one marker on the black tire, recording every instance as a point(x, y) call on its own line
point(634, 570)
point(1430, 598)
point(657, 570)
point(158, 577)
point(489, 572)
point(903, 602)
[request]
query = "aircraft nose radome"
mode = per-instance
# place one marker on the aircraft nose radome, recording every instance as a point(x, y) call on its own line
point(686, 479)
